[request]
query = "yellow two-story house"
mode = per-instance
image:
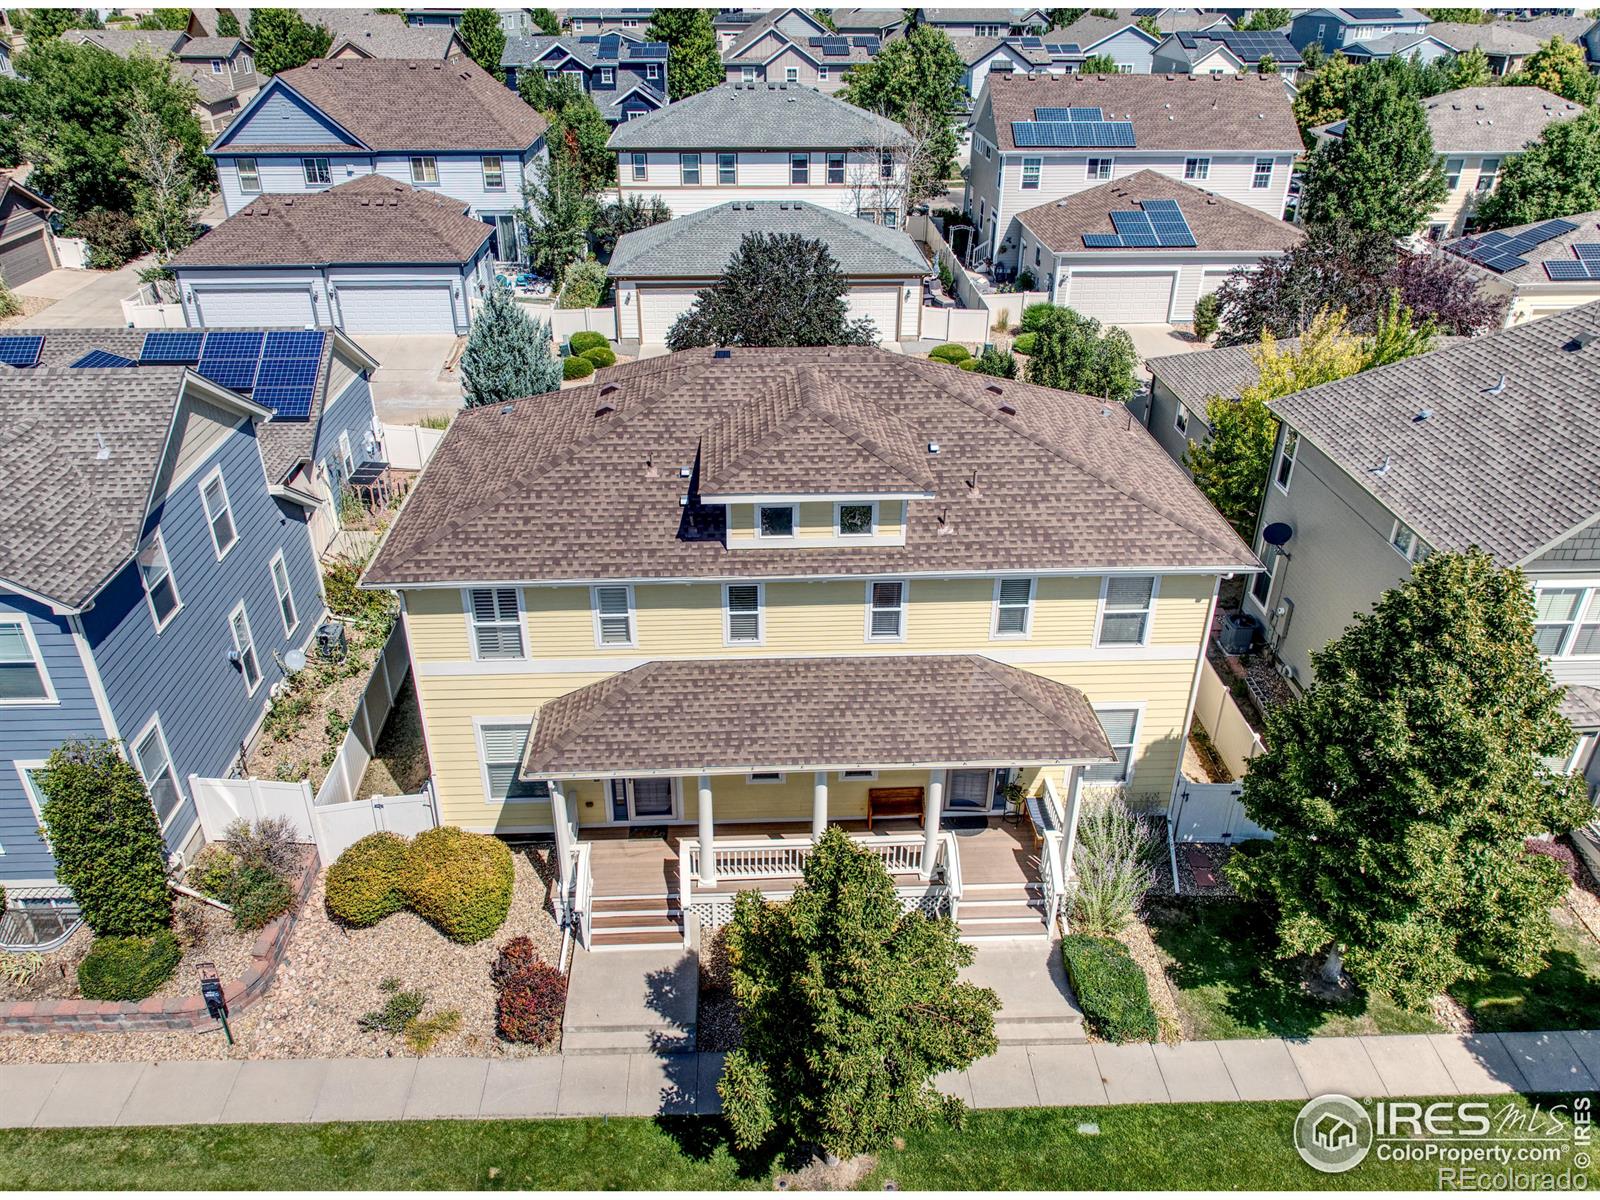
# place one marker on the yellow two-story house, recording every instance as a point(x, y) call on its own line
point(686, 617)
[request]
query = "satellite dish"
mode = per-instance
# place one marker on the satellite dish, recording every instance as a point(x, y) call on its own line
point(1277, 534)
point(295, 660)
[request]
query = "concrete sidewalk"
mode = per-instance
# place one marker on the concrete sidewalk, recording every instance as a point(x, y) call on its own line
point(398, 1089)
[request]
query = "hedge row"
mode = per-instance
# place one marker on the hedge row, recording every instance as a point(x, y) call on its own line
point(1111, 988)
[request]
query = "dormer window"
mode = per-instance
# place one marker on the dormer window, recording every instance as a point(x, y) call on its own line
point(775, 521)
point(856, 520)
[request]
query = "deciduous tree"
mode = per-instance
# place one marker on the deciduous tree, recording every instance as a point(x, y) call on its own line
point(1324, 93)
point(1265, 20)
point(1470, 69)
point(556, 212)
point(508, 354)
point(45, 24)
point(577, 133)
point(173, 19)
point(1098, 64)
point(1402, 785)
point(916, 81)
point(485, 41)
point(1073, 353)
point(228, 23)
point(283, 40)
point(1460, 16)
point(694, 62)
point(1558, 66)
point(617, 217)
point(166, 196)
point(1554, 177)
point(851, 1006)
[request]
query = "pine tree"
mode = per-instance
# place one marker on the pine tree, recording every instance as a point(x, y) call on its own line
point(485, 41)
point(1402, 785)
point(694, 63)
point(508, 355)
point(851, 1006)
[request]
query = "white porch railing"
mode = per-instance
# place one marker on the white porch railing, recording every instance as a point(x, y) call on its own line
point(950, 860)
point(1050, 873)
point(576, 904)
point(785, 858)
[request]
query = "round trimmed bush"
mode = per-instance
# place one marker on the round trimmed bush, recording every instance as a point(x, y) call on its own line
point(1025, 343)
point(601, 356)
point(950, 352)
point(587, 339)
point(366, 883)
point(459, 882)
point(1035, 315)
point(576, 368)
point(128, 968)
point(970, 364)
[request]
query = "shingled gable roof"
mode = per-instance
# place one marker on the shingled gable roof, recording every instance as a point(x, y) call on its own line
point(784, 714)
point(415, 103)
point(371, 219)
point(757, 116)
point(584, 484)
point(1506, 458)
point(806, 434)
point(1168, 112)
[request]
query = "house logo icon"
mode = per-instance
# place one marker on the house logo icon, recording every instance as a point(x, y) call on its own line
point(1333, 1133)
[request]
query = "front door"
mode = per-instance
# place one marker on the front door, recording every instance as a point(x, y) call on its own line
point(641, 801)
point(967, 792)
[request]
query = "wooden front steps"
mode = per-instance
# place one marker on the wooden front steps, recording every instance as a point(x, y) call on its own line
point(992, 911)
point(633, 922)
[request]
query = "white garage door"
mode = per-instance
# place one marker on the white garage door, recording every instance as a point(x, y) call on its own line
point(1123, 299)
point(231, 307)
point(659, 308)
point(879, 303)
point(401, 308)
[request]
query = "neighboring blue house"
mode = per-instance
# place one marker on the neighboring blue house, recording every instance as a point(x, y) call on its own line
point(159, 557)
point(627, 78)
point(444, 125)
point(1336, 28)
point(1129, 46)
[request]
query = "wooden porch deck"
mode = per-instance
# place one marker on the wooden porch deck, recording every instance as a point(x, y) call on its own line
point(632, 866)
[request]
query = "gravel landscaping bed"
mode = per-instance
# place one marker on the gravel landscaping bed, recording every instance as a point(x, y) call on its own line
point(332, 975)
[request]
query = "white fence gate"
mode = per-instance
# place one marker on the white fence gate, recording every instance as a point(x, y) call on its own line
point(409, 447)
point(331, 827)
point(1212, 812)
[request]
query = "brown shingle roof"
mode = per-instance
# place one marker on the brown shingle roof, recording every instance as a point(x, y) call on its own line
point(418, 103)
point(1217, 222)
point(372, 219)
point(793, 713)
point(546, 489)
point(1183, 112)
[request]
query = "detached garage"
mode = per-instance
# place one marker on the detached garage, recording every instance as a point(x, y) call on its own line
point(658, 272)
point(27, 246)
point(1143, 250)
point(369, 256)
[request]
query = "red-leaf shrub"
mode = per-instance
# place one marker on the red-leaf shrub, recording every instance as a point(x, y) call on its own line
point(516, 954)
point(1560, 852)
point(531, 1005)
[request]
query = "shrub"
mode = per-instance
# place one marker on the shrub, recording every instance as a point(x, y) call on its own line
point(947, 277)
point(460, 883)
point(1111, 988)
point(113, 238)
point(531, 1004)
point(968, 364)
point(1025, 343)
point(259, 896)
point(587, 339)
point(583, 284)
point(214, 871)
point(421, 1034)
point(128, 968)
point(1035, 316)
point(601, 356)
point(271, 844)
point(1026, 282)
point(998, 363)
point(10, 306)
point(398, 1011)
point(576, 368)
point(950, 352)
point(1206, 316)
point(516, 954)
point(365, 884)
point(1114, 859)
point(1560, 853)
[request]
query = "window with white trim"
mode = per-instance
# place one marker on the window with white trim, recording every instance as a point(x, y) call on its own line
point(1452, 173)
point(1098, 168)
point(1263, 174)
point(500, 745)
point(640, 166)
point(613, 615)
point(249, 175)
point(1013, 607)
point(1180, 419)
point(747, 74)
point(1286, 453)
point(284, 592)
point(316, 171)
point(1405, 541)
point(799, 168)
point(160, 588)
point(424, 168)
point(33, 789)
point(885, 164)
point(822, 73)
point(727, 168)
point(1197, 168)
point(151, 757)
point(775, 520)
point(608, 77)
point(495, 618)
point(1030, 174)
point(886, 604)
point(216, 66)
point(494, 173)
point(1125, 610)
point(835, 167)
point(1487, 174)
point(689, 169)
point(1121, 726)
point(219, 513)
point(856, 520)
point(791, 74)
point(1566, 621)
point(244, 649)
point(742, 613)
point(1261, 582)
point(23, 679)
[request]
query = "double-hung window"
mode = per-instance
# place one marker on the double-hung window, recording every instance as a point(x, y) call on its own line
point(1566, 621)
point(1487, 174)
point(22, 674)
point(1286, 453)
point(747, 74)
point(424, 169)
point(1030, 174)
point(885, 164)
point(775, 521)
point(791, 74)
point(613, 615)
point(1452, 173)
point(652, 70)
point(856, 520)
point(249, 175)
point(1121, 726)
point(500, 745)
point(742, 613)
point(800, 168)
point(160, 589)
point(284, 592)
point(494, 173)
point(1125, 610)
point(835, 167)
point(886, 610)
point(1197, 168)
point(689, 169)
point(244, 649)
point(1098, 168)
point(1263, 174)
point(608, 77)
point(1261, 583)
point(316, 172)
point(216, 66)
point(727, 169)
point(494, 616)
point(150, 755)
point(219, 513)
point(1180, 419)
point(1013, 607)
point(1405, 541)
point(640, 166)
point(822, 73)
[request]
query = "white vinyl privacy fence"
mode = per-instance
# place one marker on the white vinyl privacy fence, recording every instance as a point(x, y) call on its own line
point(409, 447)
point(1212, 812)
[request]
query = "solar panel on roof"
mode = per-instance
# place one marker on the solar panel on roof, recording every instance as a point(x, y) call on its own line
point(230, 359)
point(1032, 43)
point(20, 351)
point(1101, 241)
point(1587, 251)
point(281, 344)
point(1566, 269)
point(104, 358)
point(174, 347)
point(1072, 133)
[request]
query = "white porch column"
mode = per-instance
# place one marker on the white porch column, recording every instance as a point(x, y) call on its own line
point(708, 855)
point(558, 818)
point(1070, 841)
point(819, 804)
point(930, 821)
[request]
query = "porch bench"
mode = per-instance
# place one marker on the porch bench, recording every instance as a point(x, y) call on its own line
point(894, 802)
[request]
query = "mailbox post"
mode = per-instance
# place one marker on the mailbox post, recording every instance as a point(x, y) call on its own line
point(211, 992)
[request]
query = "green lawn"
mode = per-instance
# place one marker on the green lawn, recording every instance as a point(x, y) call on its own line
point(1179, 1146)
point(1229, 985)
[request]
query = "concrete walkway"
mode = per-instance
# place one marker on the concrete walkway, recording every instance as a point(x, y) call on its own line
point(399, 1089)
